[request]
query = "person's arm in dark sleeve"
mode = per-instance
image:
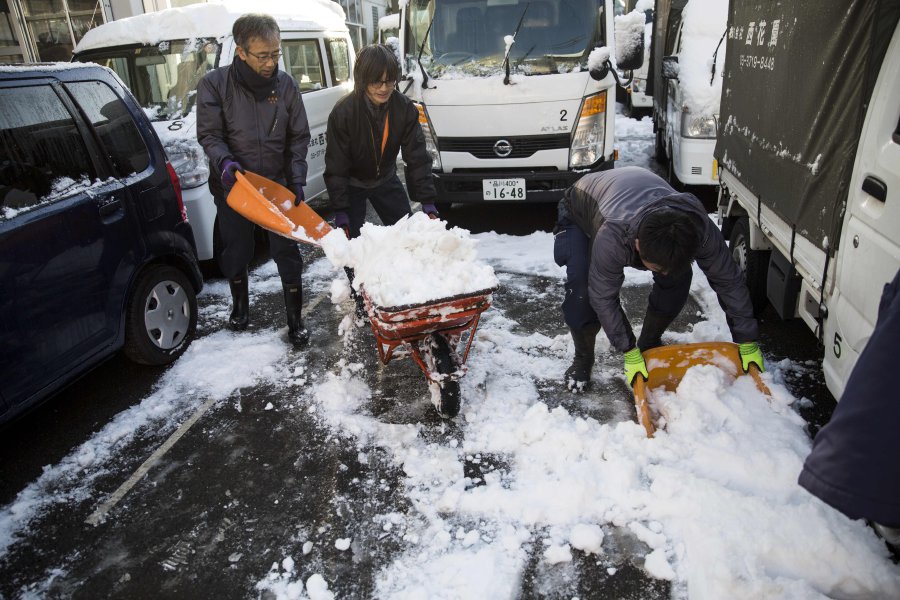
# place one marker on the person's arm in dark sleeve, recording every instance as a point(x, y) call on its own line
point(297, 141)
point(337, 162)
point(605, 278)
point(727, 281)
point(211, 126)
point(419, 182)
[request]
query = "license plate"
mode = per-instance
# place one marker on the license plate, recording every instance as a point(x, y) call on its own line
point(503, 189)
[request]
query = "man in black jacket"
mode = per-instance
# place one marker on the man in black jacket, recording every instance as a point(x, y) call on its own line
point(629, 217)
point(366, 131)
point(251, 116)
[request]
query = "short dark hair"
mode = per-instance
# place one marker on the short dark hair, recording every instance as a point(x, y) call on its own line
point(669, 238)
point(372, 62)
point(255, 25)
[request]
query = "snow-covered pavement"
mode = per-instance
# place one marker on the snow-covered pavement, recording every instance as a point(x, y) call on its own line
point(322, 474)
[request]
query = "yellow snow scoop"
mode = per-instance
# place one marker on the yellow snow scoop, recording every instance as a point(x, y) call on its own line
point(271, 206)
point(667, 365)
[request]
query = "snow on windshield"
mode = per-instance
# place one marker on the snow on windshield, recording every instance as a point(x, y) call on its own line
point(473, 39)
point(703, 23)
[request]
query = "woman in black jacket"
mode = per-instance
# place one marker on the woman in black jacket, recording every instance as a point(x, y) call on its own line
point(366, 131)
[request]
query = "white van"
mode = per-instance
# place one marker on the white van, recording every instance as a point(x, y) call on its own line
point(161, 57)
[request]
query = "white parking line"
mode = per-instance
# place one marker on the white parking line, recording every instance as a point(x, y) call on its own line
point(99, 514)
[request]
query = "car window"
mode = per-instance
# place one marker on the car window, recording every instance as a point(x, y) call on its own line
point(42, 155)
point(339, 58)
point(163, 77)
point(114, 125)
point(303, 61)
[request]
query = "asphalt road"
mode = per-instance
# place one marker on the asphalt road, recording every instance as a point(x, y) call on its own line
point(209, 519)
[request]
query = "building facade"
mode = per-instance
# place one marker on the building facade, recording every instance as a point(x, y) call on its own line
point(47, 30)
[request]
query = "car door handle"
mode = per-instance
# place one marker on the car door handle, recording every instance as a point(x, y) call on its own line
point(110, 205)
point(875, 188)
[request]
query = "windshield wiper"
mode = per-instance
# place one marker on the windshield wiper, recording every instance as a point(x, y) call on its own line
point(422, 49)
point(508, 50)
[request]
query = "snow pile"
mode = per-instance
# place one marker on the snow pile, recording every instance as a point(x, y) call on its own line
point(412, 262)
point(712, 499)
point(212, 20)
point(629, 31)
point(703, 23)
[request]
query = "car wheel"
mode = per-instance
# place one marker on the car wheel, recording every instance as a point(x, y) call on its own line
point(753, 263)
point(161, 316)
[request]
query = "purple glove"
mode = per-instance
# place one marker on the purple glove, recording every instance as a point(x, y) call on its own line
point(341, 220)
point(298, 192)
point(430, 210)
point(229, 168)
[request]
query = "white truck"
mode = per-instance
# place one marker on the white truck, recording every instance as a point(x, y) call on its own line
point(515, 97)
point(809, 157)
point(162, 55)
point(687, 86)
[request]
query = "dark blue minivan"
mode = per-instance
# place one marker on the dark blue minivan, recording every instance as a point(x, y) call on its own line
point(96, 254)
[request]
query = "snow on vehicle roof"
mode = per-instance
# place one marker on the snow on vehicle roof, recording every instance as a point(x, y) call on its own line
point(49, 66)
point(212, 20)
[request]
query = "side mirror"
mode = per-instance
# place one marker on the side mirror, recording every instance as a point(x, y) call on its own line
point(670, 67)
point(599, 73)
point(629, 32)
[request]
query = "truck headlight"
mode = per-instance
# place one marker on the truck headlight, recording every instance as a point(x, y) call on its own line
point(190, 163)
point(590, 132)
point(430, 139)
point(703, 126)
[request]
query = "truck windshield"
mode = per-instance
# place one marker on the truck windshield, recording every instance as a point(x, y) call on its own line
point(164, 77)
point(468, 37)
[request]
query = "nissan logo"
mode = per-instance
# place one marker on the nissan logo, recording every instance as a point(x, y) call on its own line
point(502, 148)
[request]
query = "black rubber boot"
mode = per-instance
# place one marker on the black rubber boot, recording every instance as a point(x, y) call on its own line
point(293, 302)
point(578, 375)
point(651, 331)
point(240, 299)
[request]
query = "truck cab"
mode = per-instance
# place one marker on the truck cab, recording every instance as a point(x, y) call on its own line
point(512, 105)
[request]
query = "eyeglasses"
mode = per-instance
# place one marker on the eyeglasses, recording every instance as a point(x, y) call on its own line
point(264, 58)
point(376, 85)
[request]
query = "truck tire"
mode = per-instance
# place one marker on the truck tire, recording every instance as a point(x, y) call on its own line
point(161, 316)
point(660, 149)
point(753, 263)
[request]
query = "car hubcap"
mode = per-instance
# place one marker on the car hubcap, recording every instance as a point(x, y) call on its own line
point(167, 314)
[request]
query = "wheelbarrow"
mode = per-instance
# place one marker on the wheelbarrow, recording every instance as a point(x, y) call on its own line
point(667, 365)
point(430, 333)
point(271, 206)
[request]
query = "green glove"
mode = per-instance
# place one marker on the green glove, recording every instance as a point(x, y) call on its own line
point(635, 365)
point(750, 353)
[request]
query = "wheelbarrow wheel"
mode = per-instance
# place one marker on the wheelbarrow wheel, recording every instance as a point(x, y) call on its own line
point(445, 364)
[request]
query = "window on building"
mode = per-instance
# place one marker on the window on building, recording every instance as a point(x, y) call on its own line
point(57, 25)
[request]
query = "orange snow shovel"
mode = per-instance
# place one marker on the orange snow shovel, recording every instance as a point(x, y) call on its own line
point(271, 206)
point(667, 365)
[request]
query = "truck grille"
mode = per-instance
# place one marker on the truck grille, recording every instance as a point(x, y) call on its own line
point(522, 146)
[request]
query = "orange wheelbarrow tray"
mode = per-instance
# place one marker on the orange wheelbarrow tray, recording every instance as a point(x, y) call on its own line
point(430, 333)
point(271, 206)
point(667, 365)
